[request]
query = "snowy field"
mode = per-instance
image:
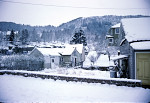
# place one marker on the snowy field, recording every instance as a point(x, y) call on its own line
point(26, 89)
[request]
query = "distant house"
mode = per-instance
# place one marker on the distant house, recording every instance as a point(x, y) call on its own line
point(61, 57)
point(80, 48)
point(135, 43)
point(113, 39)
point(113, 35)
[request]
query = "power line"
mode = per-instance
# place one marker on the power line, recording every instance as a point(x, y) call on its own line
point(27, 3)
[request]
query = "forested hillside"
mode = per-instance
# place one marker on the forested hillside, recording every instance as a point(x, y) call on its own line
point(95, 29)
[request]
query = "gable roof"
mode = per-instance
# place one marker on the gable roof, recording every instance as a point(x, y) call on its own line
point(103, 61)
point(56, 51)
point(79, 47)
point(136, 29)
point(49, 51)
point(116, 26)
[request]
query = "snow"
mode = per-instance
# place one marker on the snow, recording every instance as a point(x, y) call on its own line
point(92, 53)
point(78, 73)
point(103, 61)
point(145, 45)
point(56, 51)
point(79, 47)
point(87, 63)
point(136, 29)
point(27, 89)
point(65, 49)
point(116, 26)
point(50, 51)
point(109, 36)
point(91, 57)
point(115, 57)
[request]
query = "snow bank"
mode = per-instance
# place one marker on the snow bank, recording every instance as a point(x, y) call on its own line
point(87, 63)
point(21, 89)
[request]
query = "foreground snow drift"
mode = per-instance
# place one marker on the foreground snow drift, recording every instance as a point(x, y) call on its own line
point(17, 88)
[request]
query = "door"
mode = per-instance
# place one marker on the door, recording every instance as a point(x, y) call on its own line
point(52, 63)
point(75, 61)
point(143, 67)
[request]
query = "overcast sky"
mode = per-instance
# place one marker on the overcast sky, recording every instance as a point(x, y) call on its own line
point(56, 12)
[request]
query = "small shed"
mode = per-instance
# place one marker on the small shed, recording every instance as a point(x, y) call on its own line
point(51, 56)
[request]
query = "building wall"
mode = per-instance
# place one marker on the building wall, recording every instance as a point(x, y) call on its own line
point(55, 61)
point(36, 53)
point(78, 57)
point(131, 64)
point(115, 37)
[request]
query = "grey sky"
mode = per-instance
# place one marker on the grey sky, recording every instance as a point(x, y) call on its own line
point(46, 14)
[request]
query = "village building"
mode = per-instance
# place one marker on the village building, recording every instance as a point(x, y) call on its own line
point(135, 44)
point(69, 56)
point(113, 39)
point(113, 35)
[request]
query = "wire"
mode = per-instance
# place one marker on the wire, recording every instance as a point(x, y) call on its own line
point(27, 3)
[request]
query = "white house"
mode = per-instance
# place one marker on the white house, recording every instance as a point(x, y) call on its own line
point(68, 56)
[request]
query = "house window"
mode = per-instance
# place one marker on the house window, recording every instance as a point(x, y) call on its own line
point(52, 60)
point(117, 31)
point(110, 40)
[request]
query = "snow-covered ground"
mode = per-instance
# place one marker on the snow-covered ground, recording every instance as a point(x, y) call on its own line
point(27, 89)
point(78, 72)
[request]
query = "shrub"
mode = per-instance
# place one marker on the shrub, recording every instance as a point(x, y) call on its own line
point(22, 62)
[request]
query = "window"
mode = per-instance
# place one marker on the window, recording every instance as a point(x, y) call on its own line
point(52, 60)
point(110, 40)
point(117, 31)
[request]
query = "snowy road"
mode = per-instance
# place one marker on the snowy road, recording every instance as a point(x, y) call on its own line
point(21, 89)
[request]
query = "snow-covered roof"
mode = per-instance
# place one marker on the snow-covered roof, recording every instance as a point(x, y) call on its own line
point(116, 26)
point(56, 51)
point(8, 32)
point(136, 29)
point(49, 51)
point(79, 47)
point(145, 45)
point(103, 61)
point(67, 51)
point(115, 57)
point(109, 36)
point(122, 41)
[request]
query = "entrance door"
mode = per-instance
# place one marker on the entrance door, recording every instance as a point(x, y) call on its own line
point(52, 63)
point(75, 61)
point(143, 67)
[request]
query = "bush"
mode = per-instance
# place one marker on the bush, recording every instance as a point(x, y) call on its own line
point(22, 62)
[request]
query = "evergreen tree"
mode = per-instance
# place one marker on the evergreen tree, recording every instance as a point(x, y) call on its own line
point(24, 36)
point(34, 37)
point(11, 37)
point(44, 36)
point(79, 38)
